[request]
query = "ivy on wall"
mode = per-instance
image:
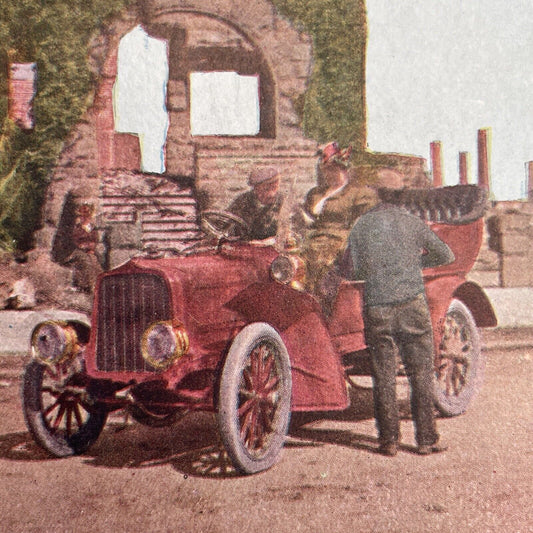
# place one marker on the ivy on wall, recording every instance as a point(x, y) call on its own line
point(334, 106)
point(55, 34)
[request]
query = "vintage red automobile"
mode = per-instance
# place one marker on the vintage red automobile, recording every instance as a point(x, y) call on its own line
point(227, 328)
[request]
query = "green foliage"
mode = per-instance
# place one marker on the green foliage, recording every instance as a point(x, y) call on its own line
point(334, 107)
point(55, 35)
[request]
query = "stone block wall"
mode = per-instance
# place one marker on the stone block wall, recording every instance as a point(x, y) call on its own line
point(142, 212)
point(506, 255)
point(510, 229)
point(227, 166)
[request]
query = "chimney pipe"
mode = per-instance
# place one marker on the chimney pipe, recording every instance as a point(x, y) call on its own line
point(529, 184)
point(464, 163)
point(483, 148)
point(436, 163)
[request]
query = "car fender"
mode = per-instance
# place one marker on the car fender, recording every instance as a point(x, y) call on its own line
point(441, 291)
point(477, 301)
point(274, 303)
point(318, 382)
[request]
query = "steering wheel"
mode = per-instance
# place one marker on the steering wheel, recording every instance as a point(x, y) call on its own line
point(224, 225)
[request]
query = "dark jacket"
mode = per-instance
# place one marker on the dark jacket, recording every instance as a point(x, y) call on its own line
point(262, 219)
point(389, 247)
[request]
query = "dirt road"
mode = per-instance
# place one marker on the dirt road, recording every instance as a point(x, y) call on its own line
point(329, 478)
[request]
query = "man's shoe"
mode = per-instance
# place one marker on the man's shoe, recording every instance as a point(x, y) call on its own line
point(388, 448)
point(427, 449)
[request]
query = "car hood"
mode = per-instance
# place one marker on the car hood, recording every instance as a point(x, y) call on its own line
point(201, 285)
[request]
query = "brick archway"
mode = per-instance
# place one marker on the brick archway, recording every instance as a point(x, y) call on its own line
point(235, 51)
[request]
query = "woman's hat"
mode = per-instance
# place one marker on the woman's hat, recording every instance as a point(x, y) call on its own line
point(331, 153)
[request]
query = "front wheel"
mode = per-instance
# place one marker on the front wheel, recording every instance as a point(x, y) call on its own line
point(460, 362)
point(254, 398)
point(57, 408)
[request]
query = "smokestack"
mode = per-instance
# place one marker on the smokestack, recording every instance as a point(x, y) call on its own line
point(464, 164)
point(529, 184)
point(436, 163)
point(483, 149)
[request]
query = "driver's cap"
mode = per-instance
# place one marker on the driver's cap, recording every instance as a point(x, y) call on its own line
point(261, 175)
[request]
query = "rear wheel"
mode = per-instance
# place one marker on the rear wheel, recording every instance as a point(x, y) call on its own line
point(57, 408)
point(460, 361)
point(254, 398)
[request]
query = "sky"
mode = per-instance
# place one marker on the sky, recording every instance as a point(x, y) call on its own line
point(439, 70)
point(139, 95)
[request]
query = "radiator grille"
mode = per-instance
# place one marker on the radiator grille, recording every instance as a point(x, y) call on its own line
point(127, 305)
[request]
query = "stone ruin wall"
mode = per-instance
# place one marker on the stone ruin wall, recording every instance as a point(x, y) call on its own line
point(506, 257)
point(96, 159)
point(101, 166)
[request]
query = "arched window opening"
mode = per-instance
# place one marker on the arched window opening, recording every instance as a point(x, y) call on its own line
point(139, 95)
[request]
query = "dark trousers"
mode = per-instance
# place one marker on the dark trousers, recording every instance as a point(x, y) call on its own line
point(404, 328)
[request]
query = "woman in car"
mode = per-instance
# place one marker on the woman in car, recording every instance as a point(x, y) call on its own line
point(330, 209)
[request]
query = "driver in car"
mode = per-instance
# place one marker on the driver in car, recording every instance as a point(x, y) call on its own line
point(260, 206)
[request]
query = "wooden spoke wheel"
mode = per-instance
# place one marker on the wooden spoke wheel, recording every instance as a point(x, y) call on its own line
point(254, 398)
point(58, 410)
point(460, 362)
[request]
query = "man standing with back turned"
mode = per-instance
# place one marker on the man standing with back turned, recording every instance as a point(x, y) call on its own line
point(388, 248)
